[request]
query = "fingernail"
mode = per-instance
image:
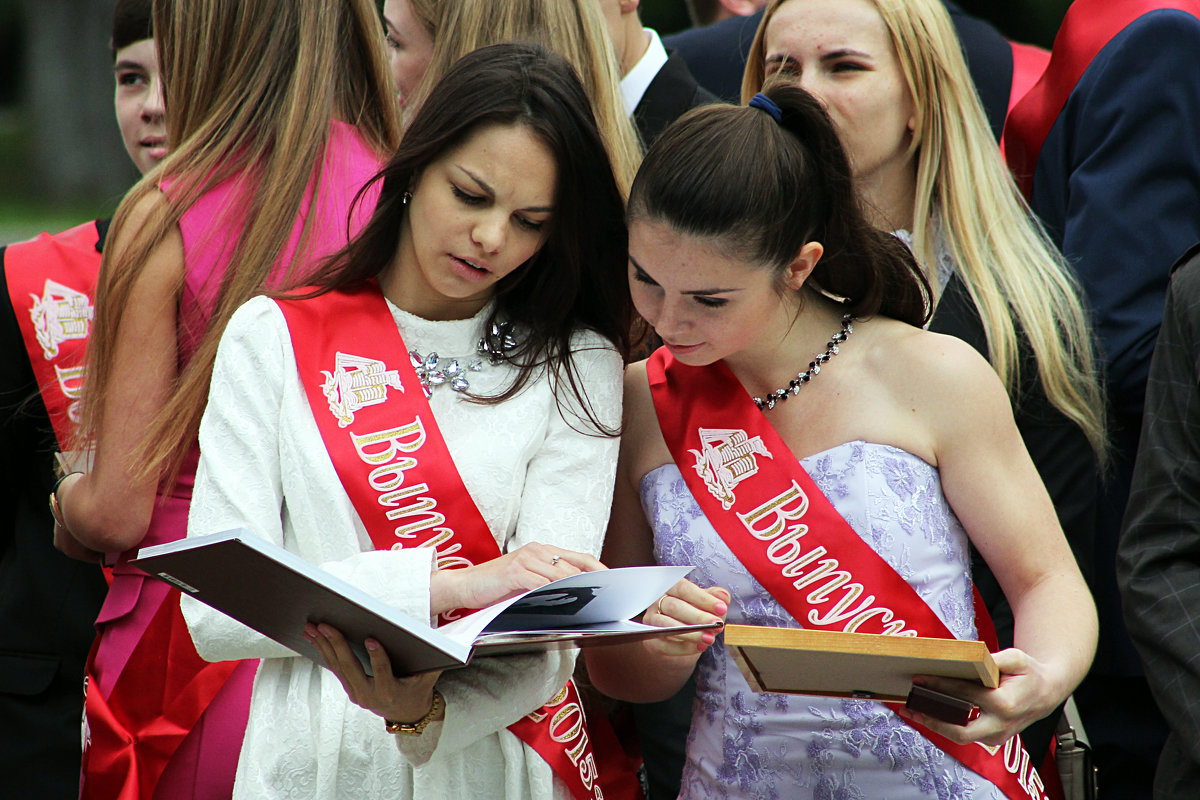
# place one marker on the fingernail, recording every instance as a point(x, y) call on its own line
point(708, 638)
point(721, 608)
point(372, 644)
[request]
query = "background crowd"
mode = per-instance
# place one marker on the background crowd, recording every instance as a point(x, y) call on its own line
point(995, 227)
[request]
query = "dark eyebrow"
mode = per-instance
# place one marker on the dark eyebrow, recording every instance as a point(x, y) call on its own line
point(490, 192)
point(704, 292)
point(833, 55)
point(842, 53)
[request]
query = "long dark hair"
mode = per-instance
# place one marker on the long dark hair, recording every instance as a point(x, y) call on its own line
point(577, 279)
point(765, 189)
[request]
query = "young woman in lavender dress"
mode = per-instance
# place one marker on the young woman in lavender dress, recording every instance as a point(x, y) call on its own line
point(750, 256)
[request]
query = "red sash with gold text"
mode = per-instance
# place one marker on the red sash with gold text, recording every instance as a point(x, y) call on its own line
point(51, 282)
point(394, 465)
point(789, 536)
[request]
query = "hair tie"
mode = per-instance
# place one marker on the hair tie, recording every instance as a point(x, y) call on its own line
point(764, 103)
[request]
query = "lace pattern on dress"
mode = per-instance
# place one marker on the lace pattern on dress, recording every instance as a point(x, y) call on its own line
point(747, 745)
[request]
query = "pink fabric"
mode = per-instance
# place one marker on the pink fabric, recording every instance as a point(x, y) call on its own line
point(349, 162)
point(204, 765)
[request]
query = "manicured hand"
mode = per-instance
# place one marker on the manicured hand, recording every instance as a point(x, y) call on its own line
point(528, 567)
point(397, 699)
point(686, 604)
point(1025, 695)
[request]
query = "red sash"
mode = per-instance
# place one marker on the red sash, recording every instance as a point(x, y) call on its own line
point(1029, 62)
point(150, 710)
point(1086, 29)
point(51, 281)
point(394, 464)
point(158, 698)
point(789, 536)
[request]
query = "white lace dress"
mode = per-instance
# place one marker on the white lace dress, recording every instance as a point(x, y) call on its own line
point(264, 467)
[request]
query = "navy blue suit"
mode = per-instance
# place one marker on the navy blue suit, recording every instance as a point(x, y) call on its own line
point(1117, 183)
point(716, 55)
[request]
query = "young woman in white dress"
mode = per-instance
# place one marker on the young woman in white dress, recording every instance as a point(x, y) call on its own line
point(499, 226)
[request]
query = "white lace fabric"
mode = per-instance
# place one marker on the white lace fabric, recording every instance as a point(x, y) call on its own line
point(534, 477)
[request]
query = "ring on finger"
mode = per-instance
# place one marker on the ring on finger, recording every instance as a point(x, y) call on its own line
point(658, 605)
point(554, 560)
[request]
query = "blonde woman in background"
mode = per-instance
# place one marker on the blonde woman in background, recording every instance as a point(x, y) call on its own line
point(425, 37)
point(892, 76)
point(277, 114)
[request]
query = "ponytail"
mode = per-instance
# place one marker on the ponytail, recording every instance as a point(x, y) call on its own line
point(764, 180)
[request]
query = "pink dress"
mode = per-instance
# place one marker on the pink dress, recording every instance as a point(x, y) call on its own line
point(159, 721)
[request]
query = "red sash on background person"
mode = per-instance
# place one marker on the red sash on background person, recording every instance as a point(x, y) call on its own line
point(393, 463)
point(1029, 62)
point(150, 710)
point(51, 282)
point(791, 539)
point(1086, 29)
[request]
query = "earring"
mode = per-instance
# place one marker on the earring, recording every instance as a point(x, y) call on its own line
point(407, 197)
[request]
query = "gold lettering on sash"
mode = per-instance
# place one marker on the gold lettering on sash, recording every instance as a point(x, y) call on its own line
point(389, 452)
point(393, 437)
point(70, 382)
point(775, 508)
point(567, 725)
point(769, 523)
point(445, 557)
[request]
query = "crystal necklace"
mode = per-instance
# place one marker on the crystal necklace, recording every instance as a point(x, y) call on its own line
point(434, 372)
point(814, 366)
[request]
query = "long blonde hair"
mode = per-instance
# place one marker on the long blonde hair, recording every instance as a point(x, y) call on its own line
point(251, 87)
point(574, 29)
point(1012, 271)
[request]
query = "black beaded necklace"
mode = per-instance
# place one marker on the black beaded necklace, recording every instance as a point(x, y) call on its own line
point(814, 366)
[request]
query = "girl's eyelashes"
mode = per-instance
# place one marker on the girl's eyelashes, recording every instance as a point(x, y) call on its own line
point(466, 197)
point(529, 224)
point(130, 78)
point(642, 277)
point(704, 300)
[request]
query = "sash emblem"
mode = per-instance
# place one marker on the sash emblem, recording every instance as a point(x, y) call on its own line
point(355, 383)
point(60, 314)
point(727, 459)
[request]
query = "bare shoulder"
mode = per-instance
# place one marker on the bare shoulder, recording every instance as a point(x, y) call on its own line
point(642, 445)
point(938, 382)
point(637, 389)
point(165, 261)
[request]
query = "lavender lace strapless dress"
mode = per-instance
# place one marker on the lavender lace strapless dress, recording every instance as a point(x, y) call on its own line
point(781, 747)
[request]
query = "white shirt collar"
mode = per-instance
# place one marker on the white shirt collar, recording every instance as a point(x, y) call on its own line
point(635, 84)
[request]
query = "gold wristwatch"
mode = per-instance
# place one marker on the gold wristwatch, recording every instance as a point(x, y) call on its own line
point(418, 727)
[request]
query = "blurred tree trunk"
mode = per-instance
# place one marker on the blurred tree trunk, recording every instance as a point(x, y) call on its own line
point(76, 155)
